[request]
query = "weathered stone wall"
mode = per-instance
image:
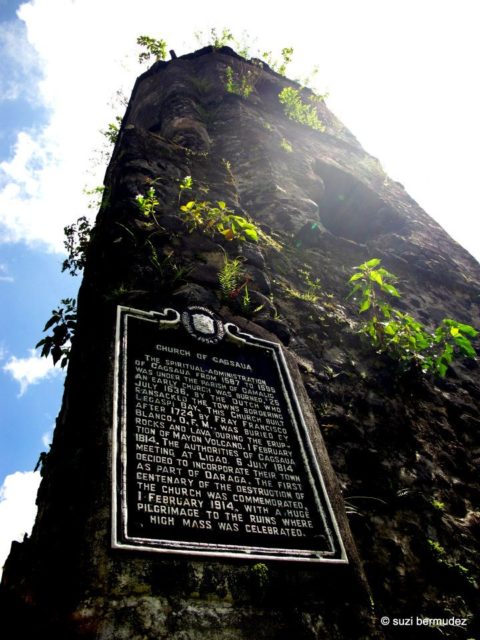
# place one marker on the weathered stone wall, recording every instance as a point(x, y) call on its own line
point(397, 443)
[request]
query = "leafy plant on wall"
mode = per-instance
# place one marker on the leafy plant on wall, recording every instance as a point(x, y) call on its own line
point(299, 111)
point(153, 48)
point(398, 334)
point(201, 215)
point(63, 323)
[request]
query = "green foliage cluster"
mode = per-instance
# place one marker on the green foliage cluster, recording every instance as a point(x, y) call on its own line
point(313, 286)
point(228, 168)
point(309, 80)
point(261, 574)
point(96, 195)
point(441, 556)
point(241, 81)
point(221, 39)
point(79, 234)
point(202, 215)
point(77, 239)
point(298, 111)
point(167, 266)
point(229, 277)
point(438, 504)
point(64, 323)
point(154, 48)
point(398, 334)
point(285, 145)
point(217, 218)
point(214, 38)
point(112, 130)
point(279, 67)
point(245, 47)
point(185, 185)
point(234, 285)
point(147, 203)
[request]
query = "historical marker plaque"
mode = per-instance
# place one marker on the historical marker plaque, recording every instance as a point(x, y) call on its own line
point(210, 449)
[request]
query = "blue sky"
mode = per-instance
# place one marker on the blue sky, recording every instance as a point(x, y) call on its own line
point(401, 74)
point(27, 299)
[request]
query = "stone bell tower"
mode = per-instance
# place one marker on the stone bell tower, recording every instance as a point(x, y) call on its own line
point(232, 460)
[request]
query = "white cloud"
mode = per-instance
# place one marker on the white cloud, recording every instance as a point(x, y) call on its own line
point(31, 370)
point(20, 63)
point(4, 275)
point(33, 205)
point(47, 438)
point(17, 508)
point(41, 184)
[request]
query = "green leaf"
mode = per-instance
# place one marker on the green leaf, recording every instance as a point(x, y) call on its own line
point(355, 277)
point(465, 328)
point(376, 277)
point(448, 353)
point(422, 341)
point(390, 329)
point(243, 222)
point(51, 322)
point(56, 355)
point(386, 274)
point(468, 330)
point(386, 309)
point(390, 289)
point(365, 305)
point(251, 234)
point(441, 369)
point(374, 262)
point(465, 346)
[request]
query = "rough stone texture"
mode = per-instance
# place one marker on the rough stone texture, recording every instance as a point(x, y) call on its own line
point(396, 443)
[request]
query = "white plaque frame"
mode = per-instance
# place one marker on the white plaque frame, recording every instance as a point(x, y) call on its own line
point(120, 539)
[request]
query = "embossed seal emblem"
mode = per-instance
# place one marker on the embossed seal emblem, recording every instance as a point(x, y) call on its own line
point(203, 325)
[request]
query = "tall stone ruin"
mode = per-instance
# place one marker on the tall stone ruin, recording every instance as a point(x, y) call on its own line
point(385, 464)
